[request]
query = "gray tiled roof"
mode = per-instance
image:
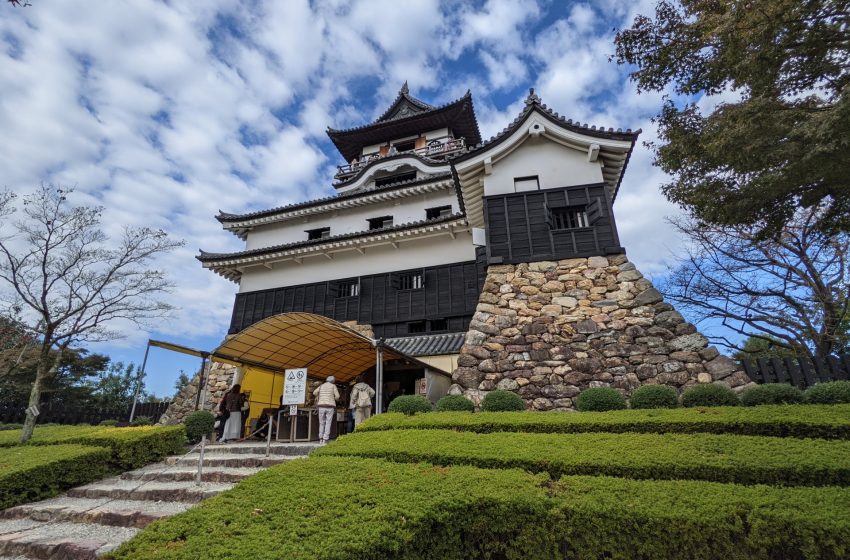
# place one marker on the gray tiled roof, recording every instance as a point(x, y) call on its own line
point(428, 344)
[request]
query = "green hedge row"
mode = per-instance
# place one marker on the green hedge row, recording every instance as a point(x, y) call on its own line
point(720, 458)
point(339, 508)
point(33, 473)
point(131, 447)
point(803, 421)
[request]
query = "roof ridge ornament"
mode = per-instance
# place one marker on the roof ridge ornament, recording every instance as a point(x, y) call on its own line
point(404, 88)
point(532, 97)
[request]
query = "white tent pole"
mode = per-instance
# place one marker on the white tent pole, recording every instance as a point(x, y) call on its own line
point(379, 376)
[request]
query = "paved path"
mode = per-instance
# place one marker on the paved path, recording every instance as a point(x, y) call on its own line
point(92, 519)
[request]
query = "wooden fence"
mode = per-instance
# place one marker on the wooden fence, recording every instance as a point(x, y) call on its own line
point(64, 415)
point(800, 372)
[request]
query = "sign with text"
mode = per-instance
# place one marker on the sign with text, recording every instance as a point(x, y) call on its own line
point(294, 386)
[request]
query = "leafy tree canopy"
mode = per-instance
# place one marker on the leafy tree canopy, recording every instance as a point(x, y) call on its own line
point(785, 142)
point(764, 347)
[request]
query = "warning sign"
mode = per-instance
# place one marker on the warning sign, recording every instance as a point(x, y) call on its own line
point(294, 386)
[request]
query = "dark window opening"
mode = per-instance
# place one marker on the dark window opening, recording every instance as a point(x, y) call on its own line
point(381, 222)
point(395, 179)
point(319, 233)
point(348, 288)
point(405, 146)
point(439, 325)
point(416, 327)
point(530, 183)
point(569, 217)
point(438, 212)
point(411, 281)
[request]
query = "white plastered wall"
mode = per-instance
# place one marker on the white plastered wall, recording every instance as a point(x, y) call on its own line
point(351, 220)
point(417, 253)
point(555, 166)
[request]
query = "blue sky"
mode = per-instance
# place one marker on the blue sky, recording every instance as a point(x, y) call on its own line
point(166, 112)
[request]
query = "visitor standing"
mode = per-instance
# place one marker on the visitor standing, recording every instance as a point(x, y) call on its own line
point(233, 402)
point(361, 401)
point(326, 396)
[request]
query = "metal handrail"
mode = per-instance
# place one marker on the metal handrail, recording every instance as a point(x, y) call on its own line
point(436, 149)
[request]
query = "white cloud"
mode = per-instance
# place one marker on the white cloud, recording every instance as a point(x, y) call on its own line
point(167, 112)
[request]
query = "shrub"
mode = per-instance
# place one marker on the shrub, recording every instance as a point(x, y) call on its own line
point(410, 404)
point(29, 473)
point(655, 396)
point(142, 421)
point(198, 424)
point(709, 394)
point(418, 511)
point(811, 421)
point(111, 423)
point(502, 401)
point(771, 393)
point(455, 403)
point(4, 427)
point(599, 399)
point(719, 458)
point(832, 392)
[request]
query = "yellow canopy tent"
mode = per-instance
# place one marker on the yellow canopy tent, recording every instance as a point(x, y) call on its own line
point(301, 340)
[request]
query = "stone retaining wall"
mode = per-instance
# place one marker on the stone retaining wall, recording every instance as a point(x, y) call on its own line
point(548, 330)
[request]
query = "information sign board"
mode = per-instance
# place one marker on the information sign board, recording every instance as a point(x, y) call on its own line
point(294, 386)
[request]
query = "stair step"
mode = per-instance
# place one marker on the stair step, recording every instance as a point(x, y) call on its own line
point(104, 511)
point(166, 473)
point(256, 448)
point(183, 491)
point(227, 460)
point(42, 540)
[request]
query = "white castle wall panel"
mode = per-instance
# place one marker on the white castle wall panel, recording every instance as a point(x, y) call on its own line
point(430, 251)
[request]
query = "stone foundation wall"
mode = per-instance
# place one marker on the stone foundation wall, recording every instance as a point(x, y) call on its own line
point(548, 330)
point(219, 377)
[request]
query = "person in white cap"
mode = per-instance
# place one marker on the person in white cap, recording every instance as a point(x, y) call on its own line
point(326, 396)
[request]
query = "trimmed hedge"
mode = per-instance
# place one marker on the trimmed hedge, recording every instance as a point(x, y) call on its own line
point(455, 403)
point(341, 508)
point(771, 393)
point(719, 458)
point(710, 394)
point(654, 396)
point(199, 423)
point(385, 510)
point(131, 447)
point(600, 399)
point(502, 401)
point(410, 404)
point(809, 421)
point(832, 392)
point(30, 473)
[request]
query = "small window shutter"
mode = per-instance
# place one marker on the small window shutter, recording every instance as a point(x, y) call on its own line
point(420, 143)
point(594, 211)
point(548, 216)
point(384, 150)
point(395, 281)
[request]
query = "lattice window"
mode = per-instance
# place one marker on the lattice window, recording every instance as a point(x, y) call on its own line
point(411, 281)
point(318, 233)
point(381, 222)
point(348, 288)
point(569, 217)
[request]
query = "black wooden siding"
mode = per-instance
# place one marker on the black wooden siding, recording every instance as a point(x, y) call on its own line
point(450, 292)
point(519, 230)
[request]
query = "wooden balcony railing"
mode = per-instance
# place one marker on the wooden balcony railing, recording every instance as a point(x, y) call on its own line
point(437, 149)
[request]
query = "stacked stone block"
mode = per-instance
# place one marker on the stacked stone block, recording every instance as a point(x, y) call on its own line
point(548, 330)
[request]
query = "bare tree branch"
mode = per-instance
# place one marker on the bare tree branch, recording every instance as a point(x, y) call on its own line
point(791, 289)
point(56, 263)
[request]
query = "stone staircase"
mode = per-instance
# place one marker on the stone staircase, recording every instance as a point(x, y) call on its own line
point(92, 519)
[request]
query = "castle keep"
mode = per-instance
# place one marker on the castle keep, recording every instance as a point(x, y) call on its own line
point(496, 262)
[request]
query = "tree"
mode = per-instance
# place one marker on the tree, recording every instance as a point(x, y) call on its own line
point(56, 264)
point(754, 348)
point(791, 290)
point(783, 144)
point(114, 387)
point(182, 381)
